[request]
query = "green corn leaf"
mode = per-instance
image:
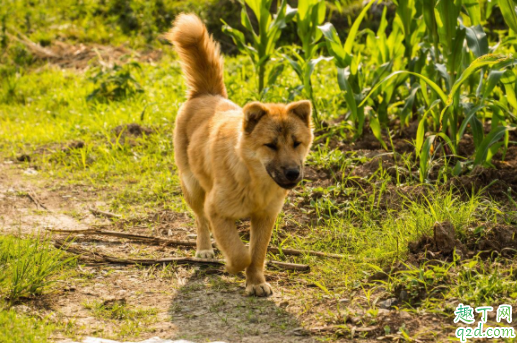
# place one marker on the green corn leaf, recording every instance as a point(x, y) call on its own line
point(376, 130)
point(508, 81)
point(334, 44)
point(355, 28)
point(486, 60)
point(254, 5)
point(408, 106)
point(430, 19)
point(240, 41)
point(447, 141)
point(471, 113)
point(344, 85)
point(477, 40)
point(455, 57)
point(430, 83)
point(312, 64)
point(442, 71)
point(493, 79)
point(420, 133)
point(275, 73)
point(509, 14)
point(245, 20)
point(493, 137)
point(446, 14)
point(303, 8)
point(477, 130)
point(425, 157)
point(357, 111)
point(493, 150)
point(474, 10)
point(296, 66)
point(406, 10)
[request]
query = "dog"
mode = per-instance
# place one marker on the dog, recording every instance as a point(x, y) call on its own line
point(233, 162)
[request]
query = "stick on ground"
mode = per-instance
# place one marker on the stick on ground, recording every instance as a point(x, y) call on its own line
point(172, 242)
point(100, 213)
point(98, 257)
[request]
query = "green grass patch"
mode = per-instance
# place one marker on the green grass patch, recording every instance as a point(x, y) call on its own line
point(18, 328)
point(129, 320)
point(29, 266)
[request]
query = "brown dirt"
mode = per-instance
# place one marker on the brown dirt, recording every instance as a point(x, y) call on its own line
point(191, 303)
point(491, 241)
point(80, 56)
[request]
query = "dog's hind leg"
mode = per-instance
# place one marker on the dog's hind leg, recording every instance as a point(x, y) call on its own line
point(195, 198)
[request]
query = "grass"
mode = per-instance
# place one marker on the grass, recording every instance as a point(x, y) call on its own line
point(130, 321)
point(19, 328)
point(29, 266)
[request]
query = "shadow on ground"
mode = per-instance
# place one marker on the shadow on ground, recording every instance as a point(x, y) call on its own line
point(213, 308)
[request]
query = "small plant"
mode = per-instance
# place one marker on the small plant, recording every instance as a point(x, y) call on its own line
point(349, 78)
point(28, 266)
point(116, 83)
point(309, 15)
point(264, 40)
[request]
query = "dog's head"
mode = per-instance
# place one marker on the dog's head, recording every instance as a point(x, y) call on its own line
point(279, 136)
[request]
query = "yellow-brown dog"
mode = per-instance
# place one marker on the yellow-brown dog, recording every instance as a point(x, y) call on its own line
point(233, 162)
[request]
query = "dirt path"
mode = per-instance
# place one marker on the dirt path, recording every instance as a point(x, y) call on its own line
point(174, 302)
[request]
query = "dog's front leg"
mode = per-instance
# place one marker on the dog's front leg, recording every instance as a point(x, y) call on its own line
point(261, 228)
point(236, 254)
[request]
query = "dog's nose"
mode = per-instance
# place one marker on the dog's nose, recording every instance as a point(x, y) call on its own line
point(292, 174)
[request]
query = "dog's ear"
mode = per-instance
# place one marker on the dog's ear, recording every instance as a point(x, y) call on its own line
point(302, 109)
point(252, 114)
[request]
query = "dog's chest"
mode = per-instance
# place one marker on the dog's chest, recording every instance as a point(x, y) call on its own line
point(246, 201)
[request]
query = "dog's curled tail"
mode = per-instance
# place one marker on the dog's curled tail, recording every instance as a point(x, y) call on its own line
point(201, 60)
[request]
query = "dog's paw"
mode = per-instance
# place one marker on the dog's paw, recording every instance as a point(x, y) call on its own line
point(259, 290)
point(205, 254)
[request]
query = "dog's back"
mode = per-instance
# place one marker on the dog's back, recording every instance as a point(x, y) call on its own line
point(207, 102)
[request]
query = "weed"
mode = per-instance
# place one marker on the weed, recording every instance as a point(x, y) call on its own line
point(116, 83)
point(29, 266)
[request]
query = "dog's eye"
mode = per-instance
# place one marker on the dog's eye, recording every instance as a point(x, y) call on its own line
point(271, 146)
point(295, 144)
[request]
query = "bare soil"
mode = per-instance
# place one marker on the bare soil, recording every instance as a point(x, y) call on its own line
point(191, 303)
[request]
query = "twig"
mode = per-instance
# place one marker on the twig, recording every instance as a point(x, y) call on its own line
point(171, 242)
point(35, 48)
point(100, 213)
point(35, 200)
point(289, 266)
point(341, 329)
point(178, 260)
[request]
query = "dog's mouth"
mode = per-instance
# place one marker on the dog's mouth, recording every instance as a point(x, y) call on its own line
point(287, 185)
point(281, 181)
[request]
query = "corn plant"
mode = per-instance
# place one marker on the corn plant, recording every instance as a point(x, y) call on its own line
point(264, 39)
point(444, 74)
point(309, 15)
point(349, 73)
